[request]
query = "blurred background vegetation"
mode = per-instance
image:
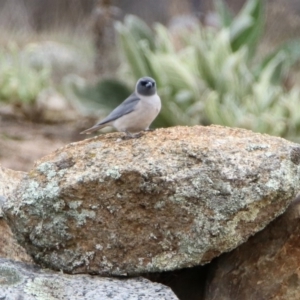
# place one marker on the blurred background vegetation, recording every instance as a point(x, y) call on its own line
point(64, 64)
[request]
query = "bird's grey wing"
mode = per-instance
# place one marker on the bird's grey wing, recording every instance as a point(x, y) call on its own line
point(126, 107)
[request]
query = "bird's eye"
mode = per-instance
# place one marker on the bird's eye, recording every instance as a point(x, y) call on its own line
point(148, 83)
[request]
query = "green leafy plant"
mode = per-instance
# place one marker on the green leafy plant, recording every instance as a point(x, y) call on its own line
point(207, 75)
point(20, 83)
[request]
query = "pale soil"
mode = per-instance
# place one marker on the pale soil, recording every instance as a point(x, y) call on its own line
point(23, 142)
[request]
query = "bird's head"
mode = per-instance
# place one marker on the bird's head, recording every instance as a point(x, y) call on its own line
point(146, 86)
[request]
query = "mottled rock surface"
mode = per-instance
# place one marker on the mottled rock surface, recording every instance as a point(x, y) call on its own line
point(265, 267)
point(9, 179)
point(174, 198)
point(9, 248)
point(21, 281)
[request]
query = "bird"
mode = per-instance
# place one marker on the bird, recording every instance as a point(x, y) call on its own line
point(136, 113)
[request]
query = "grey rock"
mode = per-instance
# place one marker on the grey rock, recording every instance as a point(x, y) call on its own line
point(28, 282)
point(174, 198)
point(53, 107)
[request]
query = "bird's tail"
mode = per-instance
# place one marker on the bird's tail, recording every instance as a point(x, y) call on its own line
point(92, 129)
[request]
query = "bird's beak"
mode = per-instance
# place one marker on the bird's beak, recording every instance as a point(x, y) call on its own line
point(149, 84)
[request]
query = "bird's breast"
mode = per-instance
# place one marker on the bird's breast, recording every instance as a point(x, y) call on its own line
point(153, 103)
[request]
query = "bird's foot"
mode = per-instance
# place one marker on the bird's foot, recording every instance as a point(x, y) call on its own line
point(129, 135)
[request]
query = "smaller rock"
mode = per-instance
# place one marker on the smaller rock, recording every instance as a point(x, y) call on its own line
point(9, 248)
point(265, 267)
point(21, 281)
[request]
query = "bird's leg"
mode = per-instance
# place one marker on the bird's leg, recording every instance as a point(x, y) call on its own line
point(129, 134)
point(138, 135)
point(149, 129)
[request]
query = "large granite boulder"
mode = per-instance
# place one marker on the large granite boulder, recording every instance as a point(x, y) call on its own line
point(22, 281)
point(174, 198)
